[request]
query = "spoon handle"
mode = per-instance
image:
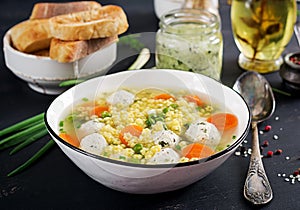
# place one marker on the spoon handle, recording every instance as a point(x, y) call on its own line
point(257, 188)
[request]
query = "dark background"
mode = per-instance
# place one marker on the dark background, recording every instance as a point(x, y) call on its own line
point(55, 182)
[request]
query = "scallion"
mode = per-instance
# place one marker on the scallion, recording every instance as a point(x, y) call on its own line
point(141, 60)
point(14, 142)
point(70, 82)
point(24, 132)
point(21, 125)
point(35, 157)
point(281, 92)
point(29, 141)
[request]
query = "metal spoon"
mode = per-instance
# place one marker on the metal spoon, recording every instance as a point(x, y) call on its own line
point(256, 91)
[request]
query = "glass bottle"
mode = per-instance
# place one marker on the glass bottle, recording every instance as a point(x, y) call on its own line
point(262, 29)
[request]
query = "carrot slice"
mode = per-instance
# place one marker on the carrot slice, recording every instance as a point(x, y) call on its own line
point(223, 121)
point(197, 150)
point(164, 96)
point(134, 130)
point(98, 110)
point(194, 99)
point(69, 139)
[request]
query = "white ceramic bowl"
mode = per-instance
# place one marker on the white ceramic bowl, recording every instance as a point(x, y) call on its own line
point(44, 74)
point(139, 178)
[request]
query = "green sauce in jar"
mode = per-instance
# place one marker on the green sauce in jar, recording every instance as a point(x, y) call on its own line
point(190, 40)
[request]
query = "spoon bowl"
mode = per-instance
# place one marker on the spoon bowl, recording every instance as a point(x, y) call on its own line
point(257, 93)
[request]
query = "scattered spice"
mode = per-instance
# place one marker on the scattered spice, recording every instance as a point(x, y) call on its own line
point(268, 127)
point(265, 143)
point(237, 153)
point(269, 153)
point(243, 149)
point(244, 152)
point(278, 152)
point(249, 151)
point(296, 173)
point(292, 178)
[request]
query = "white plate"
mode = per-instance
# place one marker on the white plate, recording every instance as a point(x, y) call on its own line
point(44, 74)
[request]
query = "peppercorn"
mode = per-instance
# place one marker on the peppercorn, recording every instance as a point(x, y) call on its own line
point(296, 173)
point(265, 143)
point(268, 127)
point(269, 153)
point(278, 152)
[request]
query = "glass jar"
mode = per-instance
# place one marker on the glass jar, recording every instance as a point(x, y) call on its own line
point(190, 40)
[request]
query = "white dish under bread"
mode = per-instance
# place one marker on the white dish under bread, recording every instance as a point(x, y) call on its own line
point(44, 74)
point(64, 41)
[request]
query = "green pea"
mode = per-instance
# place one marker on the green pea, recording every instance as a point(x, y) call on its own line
point(165, 110)
point(174, 106)
point(137, 148)
point(105, 114)
point(122, 157)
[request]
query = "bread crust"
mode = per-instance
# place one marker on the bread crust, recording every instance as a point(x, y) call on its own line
point(71, 36)
point(48, 10)
point(99, 23)
point(70, 51)
point(31, 35)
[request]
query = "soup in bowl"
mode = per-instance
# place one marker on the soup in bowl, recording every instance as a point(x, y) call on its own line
point(148, 131)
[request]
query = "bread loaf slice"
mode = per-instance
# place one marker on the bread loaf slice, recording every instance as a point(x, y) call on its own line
point(69, 51)
point(48, 10)
point(31, 35)
point(106, 21)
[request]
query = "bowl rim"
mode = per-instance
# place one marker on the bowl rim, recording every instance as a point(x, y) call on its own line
point(165, 165)
point(7, 43)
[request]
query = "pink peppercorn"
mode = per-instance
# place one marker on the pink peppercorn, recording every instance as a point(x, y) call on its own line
point(269, 153)
point(268, 127)
point(278, 152)
point(265, 143)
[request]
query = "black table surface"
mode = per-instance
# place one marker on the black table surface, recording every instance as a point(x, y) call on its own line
point(54, 182)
